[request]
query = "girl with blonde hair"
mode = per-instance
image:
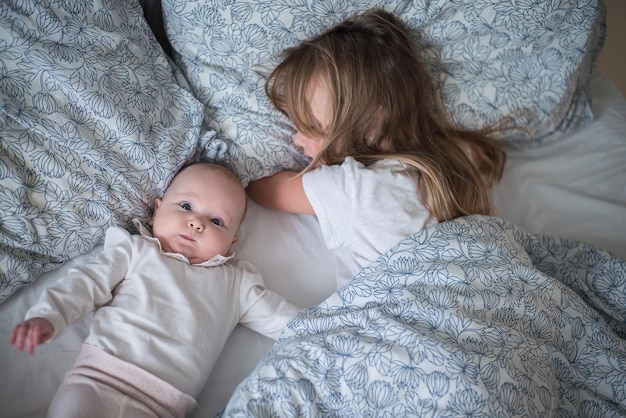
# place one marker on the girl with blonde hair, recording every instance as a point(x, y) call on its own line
point(385, 159)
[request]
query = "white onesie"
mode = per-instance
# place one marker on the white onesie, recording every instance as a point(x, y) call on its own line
point(155, 310)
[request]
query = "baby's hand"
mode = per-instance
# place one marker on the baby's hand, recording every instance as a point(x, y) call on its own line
point(32, 332)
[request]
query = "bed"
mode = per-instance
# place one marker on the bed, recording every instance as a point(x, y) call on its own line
point(520, 314)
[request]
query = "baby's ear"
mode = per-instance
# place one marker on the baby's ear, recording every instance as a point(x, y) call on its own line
point(157, 203)
point(235, 239)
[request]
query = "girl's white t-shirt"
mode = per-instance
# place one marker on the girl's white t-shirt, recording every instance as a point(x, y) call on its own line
point(366, 210)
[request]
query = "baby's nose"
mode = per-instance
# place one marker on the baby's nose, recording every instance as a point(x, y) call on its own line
point(195, 224)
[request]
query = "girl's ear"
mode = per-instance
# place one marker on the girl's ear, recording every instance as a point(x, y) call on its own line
point(157, 203)
point(235, 239)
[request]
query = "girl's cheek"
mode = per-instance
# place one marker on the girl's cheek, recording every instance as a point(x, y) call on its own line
point(317, 146)
point(299, 140)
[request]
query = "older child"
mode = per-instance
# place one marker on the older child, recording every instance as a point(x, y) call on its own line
point(164, 304)
point(385, 160)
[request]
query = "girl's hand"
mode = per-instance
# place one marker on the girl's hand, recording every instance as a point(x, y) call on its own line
point(31, 333)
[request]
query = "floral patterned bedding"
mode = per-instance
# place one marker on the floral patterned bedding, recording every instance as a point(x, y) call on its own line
point(524, 63)
point(93, 124)
point(473, 317)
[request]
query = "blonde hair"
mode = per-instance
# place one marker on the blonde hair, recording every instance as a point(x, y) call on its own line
point(384, 106)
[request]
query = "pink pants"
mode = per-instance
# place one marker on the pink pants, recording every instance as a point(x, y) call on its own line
point(101, 385)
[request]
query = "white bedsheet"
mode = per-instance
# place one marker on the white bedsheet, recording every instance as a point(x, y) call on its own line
point(574, 188)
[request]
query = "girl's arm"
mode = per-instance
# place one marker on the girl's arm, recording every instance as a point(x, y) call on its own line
point(282, 191)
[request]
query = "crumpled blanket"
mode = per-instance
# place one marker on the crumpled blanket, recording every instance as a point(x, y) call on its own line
point(472, 317)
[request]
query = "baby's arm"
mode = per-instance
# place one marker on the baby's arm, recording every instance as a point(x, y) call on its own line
point(86, 288)
point(261, 309)
point(282, 191)
point(32, 332)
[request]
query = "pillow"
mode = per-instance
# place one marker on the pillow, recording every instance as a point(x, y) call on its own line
point(93, 126)
point(528, 63)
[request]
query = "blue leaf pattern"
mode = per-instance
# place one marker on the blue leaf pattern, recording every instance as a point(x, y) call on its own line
point(93, 124)
point(494, 322)
point(527, 63)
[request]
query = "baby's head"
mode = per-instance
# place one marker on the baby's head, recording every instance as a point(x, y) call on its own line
point(200, 212)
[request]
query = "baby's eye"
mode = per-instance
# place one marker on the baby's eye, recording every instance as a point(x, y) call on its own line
point(216, 221)
point(185, 206)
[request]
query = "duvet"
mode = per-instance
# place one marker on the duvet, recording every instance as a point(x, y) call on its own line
point(473, 317)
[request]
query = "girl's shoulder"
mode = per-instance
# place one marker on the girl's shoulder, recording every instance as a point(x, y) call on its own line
point(386, 167)
point(389, 163)
point(351, 168)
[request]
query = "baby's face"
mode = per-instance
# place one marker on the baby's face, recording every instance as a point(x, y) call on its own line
point(199, 214)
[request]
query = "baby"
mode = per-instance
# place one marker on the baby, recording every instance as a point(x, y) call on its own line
point(164, 304)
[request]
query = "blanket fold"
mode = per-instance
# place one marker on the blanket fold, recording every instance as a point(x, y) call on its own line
point(472, 317)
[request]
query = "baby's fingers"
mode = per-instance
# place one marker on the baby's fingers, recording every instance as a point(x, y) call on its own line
point(30, 333)
point(32, 339)
point(18, 335)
